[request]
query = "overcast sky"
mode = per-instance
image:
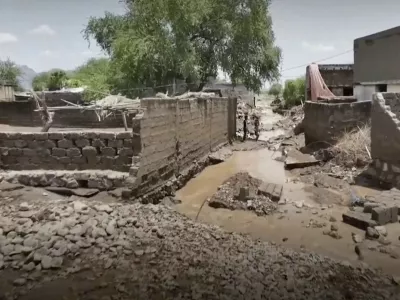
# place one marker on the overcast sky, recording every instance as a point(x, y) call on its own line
point(45, 34)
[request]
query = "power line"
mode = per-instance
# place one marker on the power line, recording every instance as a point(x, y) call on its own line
point(327, 58)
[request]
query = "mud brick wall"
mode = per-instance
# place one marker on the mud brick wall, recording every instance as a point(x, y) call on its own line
point(21, 113)
point(326, 122)
point(157, 129)
point(175, 133)
point(54, 98)
point(385, 138)
point(68, 151)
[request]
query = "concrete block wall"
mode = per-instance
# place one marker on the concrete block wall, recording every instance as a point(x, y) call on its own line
point(326, 122)
point(385, 138)
point(175, 133)
point(68, 151)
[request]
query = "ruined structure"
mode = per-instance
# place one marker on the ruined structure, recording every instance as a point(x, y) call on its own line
point(337, 77)
point(167, 138)
point(325, 122)
point(385, 138)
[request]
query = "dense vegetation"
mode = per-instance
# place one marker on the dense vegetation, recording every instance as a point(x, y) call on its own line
point(294, 92)
point(157, 42)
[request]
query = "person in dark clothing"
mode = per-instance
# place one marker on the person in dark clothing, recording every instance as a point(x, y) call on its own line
point(257, 126)
point(245, 126)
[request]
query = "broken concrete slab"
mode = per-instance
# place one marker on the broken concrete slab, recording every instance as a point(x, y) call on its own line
point(368, 206)
point(271, 190)
point(296, 159)
point(6, 186)
point(220, 156)
point(384, 215)
point(358, 219)
point(123, 193)
point(80, 192)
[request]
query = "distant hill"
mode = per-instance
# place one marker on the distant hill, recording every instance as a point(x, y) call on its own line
point(26, 78)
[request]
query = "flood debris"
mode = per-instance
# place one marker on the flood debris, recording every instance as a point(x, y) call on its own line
point(296, 159)
point(241, 192)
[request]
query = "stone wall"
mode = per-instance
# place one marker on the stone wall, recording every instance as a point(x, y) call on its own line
point(167, 139)
point(385, 138)
point(175, 133)
point(325, 122)
point(21, 113)
point(68, 151)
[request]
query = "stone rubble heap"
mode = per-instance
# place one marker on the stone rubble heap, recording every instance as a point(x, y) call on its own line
point(228, 195)
point(157, 253)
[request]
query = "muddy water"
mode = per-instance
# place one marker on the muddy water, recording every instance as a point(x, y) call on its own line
point(290, 223)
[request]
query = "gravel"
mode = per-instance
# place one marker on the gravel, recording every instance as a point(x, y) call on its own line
point(135, 251)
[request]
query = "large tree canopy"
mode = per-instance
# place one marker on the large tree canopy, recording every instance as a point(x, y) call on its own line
point(158, 40)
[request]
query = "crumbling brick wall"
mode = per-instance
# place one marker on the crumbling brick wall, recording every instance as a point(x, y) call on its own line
point(175, 133)
point(53, 98)
point(326, 122)
point(385, 138)
point(21, 113)
point(68, 151)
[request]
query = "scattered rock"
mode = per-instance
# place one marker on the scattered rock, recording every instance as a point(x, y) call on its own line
point(381, 230)
point(372, 233)
point(299, 204)
point(332, 219)
point(103, 208)
point(80, 206)
point(19, 282)
point(357, 238)
point(334, 227)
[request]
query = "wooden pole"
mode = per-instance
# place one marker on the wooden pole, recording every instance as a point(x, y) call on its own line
point(124, 120)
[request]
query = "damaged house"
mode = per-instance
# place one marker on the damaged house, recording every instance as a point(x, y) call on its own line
point(337, 77)
point(376, 67)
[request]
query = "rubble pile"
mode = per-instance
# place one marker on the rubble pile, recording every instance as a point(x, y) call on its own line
point(86, 250)
point(242, 192)
point(293, 117)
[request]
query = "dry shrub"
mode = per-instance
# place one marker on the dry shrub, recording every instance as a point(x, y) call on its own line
point(353, 148)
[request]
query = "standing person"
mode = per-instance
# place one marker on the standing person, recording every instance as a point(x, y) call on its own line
point(245, 126)
point(256, 126)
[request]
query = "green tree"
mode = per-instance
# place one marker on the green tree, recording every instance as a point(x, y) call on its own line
point(275, 90)
point(294, 91)
point(94, 75)
point(9, 72)
point(157, 41)
point(41, 81)
point(57, 80)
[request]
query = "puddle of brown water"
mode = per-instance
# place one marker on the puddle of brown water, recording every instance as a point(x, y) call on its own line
point(292, 227)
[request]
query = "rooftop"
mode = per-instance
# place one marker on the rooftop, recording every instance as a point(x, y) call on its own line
point(380, 34)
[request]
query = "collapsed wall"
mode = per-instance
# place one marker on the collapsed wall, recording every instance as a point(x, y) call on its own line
point(385, 138)
point(326, 122)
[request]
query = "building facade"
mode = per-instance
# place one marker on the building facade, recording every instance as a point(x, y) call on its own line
point(377, 63)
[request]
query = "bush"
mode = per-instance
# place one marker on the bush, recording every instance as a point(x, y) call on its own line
point(294, 92)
